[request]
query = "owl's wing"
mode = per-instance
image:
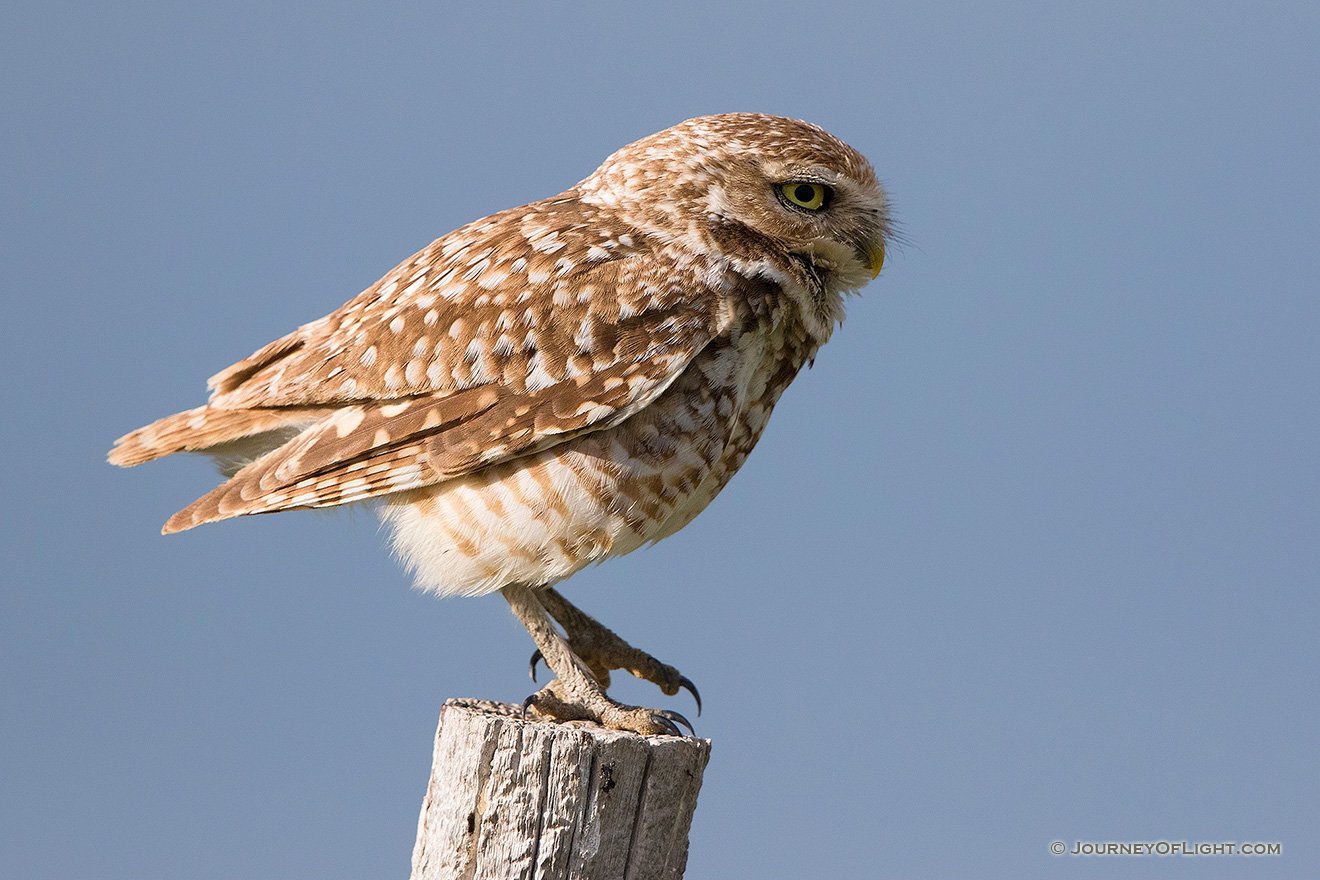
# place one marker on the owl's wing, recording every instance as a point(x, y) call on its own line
point(495, 342)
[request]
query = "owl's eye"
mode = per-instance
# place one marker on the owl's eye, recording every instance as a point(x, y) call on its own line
point(809, 196)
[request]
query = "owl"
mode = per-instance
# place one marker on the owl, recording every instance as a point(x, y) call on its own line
point(559, 383)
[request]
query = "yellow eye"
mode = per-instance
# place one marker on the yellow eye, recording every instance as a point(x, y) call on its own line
point(811, 196)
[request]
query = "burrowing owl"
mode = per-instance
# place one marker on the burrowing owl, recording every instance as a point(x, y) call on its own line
point(557, 383)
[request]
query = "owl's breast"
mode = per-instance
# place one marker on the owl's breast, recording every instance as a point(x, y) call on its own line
point(699, 433)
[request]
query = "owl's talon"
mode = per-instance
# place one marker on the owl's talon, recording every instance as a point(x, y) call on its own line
point(674, 719)
point(537, 657)
point(685, 682)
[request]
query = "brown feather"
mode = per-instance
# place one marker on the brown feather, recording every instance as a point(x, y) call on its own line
point(202, 428)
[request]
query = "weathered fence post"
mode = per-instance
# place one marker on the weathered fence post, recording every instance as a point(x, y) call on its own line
point(510, 798)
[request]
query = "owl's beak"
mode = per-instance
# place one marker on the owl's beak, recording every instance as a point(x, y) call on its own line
point(875, 257)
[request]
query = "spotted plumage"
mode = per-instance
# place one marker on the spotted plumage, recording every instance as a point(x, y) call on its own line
point(557, 383)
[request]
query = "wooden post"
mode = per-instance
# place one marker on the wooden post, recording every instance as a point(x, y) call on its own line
point(531, 799)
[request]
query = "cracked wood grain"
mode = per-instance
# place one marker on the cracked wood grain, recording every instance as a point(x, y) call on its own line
point(515, 798)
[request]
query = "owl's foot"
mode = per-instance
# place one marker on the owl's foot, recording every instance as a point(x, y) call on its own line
point(603, 651)
point(650, 669)
point(595, 706)
point(578, 694)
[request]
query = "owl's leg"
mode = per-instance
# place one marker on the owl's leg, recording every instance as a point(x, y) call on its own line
point(575, 695)
point(602, 651)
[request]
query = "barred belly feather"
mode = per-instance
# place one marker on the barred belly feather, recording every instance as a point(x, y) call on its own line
point(540, 519)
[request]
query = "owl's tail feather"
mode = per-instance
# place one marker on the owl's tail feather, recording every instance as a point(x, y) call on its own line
point(207, 429)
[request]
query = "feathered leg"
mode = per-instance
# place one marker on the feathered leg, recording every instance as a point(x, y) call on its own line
point(603, 651)
point(576, 695)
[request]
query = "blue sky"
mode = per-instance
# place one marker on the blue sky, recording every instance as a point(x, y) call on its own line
point(1030, 555)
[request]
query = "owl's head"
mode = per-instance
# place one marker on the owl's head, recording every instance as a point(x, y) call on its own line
point(778, 195)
